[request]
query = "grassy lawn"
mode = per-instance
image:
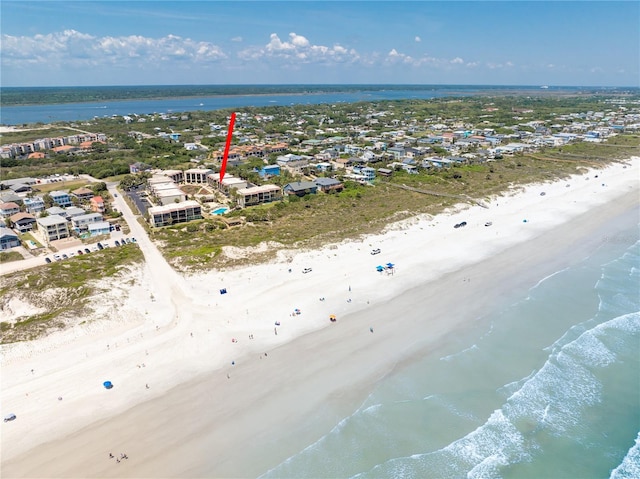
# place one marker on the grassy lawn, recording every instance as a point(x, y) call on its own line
point(61, 185)
point(9, 256)
point(72, 281)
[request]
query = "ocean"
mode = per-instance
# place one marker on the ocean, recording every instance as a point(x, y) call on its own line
point(71, 112)
point(545, 386)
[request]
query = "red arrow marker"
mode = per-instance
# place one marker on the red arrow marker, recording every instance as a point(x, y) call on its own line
point(226, 148)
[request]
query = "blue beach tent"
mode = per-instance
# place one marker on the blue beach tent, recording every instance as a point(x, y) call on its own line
point(107, 384)
point(380, 269)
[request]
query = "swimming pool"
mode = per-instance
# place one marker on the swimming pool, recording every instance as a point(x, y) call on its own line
point(220, 211)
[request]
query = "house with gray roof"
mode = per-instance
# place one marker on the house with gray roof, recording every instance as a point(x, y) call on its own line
point(329, 185)
point(8, 239)
point(56, 210)
point(10, 197)
point(300, 188)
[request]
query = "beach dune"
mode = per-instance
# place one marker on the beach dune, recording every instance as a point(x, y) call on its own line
point(230, 385)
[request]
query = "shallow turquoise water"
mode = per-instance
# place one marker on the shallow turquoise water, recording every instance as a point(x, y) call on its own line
point(547, 385)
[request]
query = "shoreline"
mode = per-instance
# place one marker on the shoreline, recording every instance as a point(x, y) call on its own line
point(314, 371)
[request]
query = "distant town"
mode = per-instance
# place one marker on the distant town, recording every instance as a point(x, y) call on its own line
point(276, 155)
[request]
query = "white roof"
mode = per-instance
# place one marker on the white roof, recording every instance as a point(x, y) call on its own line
point(173, 207)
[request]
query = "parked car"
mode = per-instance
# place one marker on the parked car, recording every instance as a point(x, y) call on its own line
point(307, 270)
point(376, 251)
point(133, 239)
point(488, 223)
point(64, 256)
point(48, 260)
point(100, 246)
point(87, 250)
point(57, 257)
point(117, 243)
point(80, 251)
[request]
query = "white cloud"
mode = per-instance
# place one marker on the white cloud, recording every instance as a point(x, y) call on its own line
point(418, 39)
point(76, 48)
point(425, 60)
point(237, 39)
point(299, 49)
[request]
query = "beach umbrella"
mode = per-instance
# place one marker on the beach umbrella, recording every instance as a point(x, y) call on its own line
point(107, 384)
point(379, 268)
point(389, 265)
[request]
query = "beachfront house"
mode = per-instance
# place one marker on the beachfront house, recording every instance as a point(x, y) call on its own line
point(329, 185)
point(73, 211)
point(83, 194)
point(61, 198)
point(99, 228)
point(34, 205)
point(8, 239)
point(52, 228)
point(22, 222)
point(81, 223)
point(9, 209)
point(174, 213)
point(300, 188)
point(257, 195)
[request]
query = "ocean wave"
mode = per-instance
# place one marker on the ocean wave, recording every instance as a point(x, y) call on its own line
point(473, 347)
point(629, 468)
point(552, 401)
point(539, 283)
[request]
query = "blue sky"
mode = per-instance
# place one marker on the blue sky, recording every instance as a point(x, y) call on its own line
point(73, 43)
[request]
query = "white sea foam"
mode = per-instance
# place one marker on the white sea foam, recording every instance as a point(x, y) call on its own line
point(471, 348)
point(554, 399)
point(545, 279)
point(629, 468)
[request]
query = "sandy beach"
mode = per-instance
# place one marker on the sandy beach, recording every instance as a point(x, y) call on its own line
point(229, 385)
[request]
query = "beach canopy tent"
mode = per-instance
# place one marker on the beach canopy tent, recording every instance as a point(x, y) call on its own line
point(390, 265)
point(379, 268)
point(107, 384)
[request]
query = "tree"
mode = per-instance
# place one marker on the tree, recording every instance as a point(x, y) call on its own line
point(98, 188)
point(48, 201)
